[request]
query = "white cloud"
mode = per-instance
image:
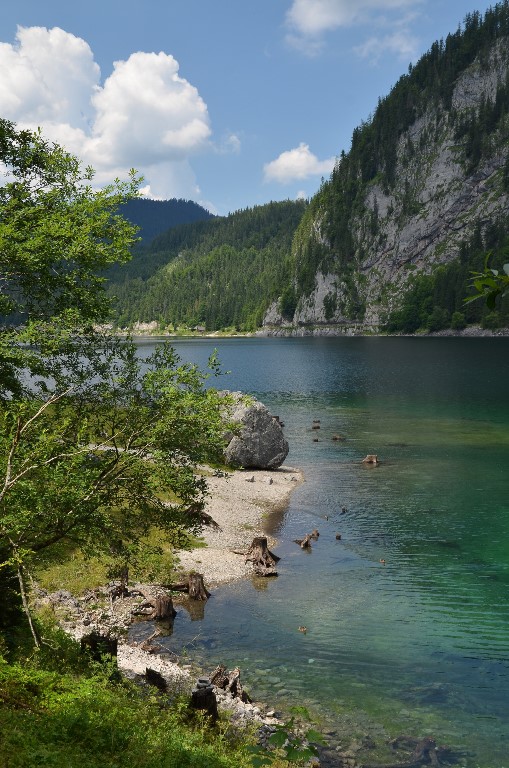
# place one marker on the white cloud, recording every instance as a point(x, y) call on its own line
point(145, 115)
point(403, 44)
point(309, 20)
point(297, 164)
point(230, 145)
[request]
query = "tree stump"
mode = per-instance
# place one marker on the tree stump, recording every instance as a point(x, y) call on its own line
point(160, 606)
point(305, 543)
point(262, 558)
point(314, 534)
point(163, 608)
point(229, 681)
point(98, 645)
point(193, 585)
point(197, 589)
point(204, 698)
point(155, 678)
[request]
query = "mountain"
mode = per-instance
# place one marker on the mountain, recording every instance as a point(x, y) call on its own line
point(156, 216)
point(218, 273)
point(391, 238)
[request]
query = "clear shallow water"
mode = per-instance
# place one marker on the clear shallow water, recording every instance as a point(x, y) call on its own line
point(420, 643)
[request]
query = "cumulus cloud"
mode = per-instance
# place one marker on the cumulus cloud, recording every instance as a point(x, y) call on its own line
point(297, 164)
point(309, 20)
point(145, 115)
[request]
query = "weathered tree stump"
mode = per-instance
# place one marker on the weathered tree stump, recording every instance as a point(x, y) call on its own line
point(163, 608)
point(156, 606)
point(155, 678)
point(204, 698)
point(193, 585)
point(314, 534)
point(262, 558)
point(197, 589)
point(304, 543)
point(371, 458)
point(229, 681)
point(98, 645)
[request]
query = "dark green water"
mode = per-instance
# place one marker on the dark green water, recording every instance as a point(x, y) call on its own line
point(419, 644)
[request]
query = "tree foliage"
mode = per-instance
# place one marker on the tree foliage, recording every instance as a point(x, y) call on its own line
point(220, 273)
point(96, 445)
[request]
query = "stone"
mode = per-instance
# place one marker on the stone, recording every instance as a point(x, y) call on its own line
point(260, 443)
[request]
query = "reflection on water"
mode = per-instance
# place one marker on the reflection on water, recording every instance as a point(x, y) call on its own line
point(407, 613)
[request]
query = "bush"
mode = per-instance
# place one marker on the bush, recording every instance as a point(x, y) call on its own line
point(491, 321)
point(458, 321)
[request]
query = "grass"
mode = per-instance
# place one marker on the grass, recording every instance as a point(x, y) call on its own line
point(59, 708)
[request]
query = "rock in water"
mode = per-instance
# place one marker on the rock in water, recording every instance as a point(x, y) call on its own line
point(260, 443)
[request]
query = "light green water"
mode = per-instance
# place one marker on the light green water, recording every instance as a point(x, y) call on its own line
point(419, 644)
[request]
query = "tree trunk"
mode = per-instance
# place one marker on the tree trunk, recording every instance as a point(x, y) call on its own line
point(163, 608)
point(262, 558)
point(194, 586)
point(197, 589)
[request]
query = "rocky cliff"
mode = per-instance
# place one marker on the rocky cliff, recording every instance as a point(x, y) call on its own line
point(401, 204)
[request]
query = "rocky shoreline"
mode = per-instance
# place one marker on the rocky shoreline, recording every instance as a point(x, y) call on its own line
point(237, 504)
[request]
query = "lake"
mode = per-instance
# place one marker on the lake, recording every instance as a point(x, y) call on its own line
point(407, 614)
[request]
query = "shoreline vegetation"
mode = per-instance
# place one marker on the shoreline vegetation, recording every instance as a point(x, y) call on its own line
point(152, 330)
point(238, 503)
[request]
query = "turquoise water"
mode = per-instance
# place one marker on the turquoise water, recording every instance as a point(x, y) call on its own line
point(418, 644)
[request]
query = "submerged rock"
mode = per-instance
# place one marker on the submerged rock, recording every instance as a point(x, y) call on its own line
point(260, 443)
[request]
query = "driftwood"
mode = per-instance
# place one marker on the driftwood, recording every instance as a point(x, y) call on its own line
point(263, 559)
point(149, 646)
point(229, 681)
point(304, 543)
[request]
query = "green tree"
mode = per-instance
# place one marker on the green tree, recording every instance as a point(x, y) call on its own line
point(56, 234)
point(96, 445)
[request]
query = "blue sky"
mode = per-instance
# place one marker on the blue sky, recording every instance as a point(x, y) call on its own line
point(231, 103)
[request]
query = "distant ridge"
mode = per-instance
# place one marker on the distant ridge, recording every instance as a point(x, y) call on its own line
point(154, 217)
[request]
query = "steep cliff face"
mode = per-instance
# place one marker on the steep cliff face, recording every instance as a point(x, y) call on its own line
point(368, 233)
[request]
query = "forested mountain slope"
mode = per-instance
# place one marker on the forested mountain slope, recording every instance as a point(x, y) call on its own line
point(392, 237)
point(218, 273)
point(389, 241)
point(156, 216)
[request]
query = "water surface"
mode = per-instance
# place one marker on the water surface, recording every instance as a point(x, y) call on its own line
point(418, 643)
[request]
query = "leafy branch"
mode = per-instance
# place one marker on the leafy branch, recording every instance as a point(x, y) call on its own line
point(489, 284)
